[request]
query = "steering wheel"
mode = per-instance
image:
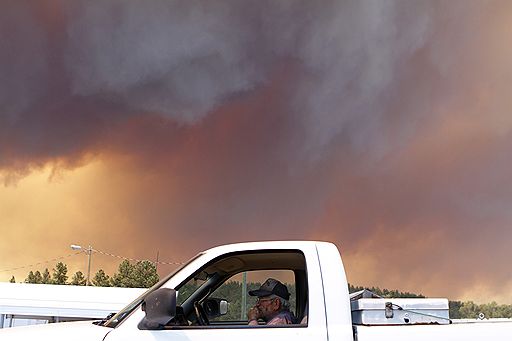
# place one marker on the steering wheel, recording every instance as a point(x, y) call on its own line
point(202, 318)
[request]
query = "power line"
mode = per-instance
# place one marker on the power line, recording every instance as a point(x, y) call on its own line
point(94, 250)
point(135, 259)
point(40, 263)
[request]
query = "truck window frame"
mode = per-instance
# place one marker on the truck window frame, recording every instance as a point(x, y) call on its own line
point(301, 282)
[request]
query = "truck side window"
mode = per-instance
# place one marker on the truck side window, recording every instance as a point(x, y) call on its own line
point(188, 289)
point(217, 294)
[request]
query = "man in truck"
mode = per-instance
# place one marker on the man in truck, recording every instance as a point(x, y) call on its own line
point(272, 306)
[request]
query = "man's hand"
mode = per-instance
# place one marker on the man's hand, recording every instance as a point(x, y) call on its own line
point(253, 314)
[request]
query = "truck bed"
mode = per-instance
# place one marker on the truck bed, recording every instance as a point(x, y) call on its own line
point(488, 331)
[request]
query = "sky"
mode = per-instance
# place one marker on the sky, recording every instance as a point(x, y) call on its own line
point(173, 126)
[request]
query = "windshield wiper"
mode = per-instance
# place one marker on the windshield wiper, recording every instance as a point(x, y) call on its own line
point(104, 320)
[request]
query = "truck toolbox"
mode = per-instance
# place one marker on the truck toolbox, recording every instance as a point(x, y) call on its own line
point(400, 311)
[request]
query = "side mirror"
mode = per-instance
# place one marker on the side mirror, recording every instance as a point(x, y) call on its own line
point(223, 307)
point(160, 309)
point(215, 307)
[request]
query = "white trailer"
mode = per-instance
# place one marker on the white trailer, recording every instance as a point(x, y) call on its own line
point(26, 304)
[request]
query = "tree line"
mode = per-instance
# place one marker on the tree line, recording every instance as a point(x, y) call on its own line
point(142, 274)
point(385, 292)
point(458, 309)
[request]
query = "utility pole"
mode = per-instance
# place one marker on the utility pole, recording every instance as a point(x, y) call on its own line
point(243, 314)
point(88, 252)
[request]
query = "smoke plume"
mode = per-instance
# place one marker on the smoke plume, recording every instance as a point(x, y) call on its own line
point(381, 126)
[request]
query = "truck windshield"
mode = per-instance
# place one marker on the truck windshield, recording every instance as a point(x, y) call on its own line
point(116, 319)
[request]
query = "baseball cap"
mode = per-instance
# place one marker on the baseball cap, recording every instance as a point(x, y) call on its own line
point(271, 287)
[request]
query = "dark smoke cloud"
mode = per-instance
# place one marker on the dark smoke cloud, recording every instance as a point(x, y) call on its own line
point(23, 61)
point(383, 126)
point(184, 59)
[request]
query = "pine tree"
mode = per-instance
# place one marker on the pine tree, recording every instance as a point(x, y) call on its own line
point(78, 279)
point(141, 275)
point(101, 279)
point(38, 279)
point(125, 276)
point(145, 274)
point(60, 273)
point(30, 277)
point(46, 277)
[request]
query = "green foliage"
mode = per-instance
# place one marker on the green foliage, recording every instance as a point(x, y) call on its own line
point(187, 290)
point(471, 310)
point(232, 292)
point(30, 277)
point(60, 273)
point(455, 309)
point(101, 279)
point(124, 277)
point(78, 279)
point(34, 278)
point(38, 278)
point(145, 274)
point(385, 292)
point(141, 275)
point(46, 277)
point(458, 309)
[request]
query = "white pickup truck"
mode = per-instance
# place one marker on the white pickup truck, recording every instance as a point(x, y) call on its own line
point(192, 304)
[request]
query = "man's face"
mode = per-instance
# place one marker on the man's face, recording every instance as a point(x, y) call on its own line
point(267, 306)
